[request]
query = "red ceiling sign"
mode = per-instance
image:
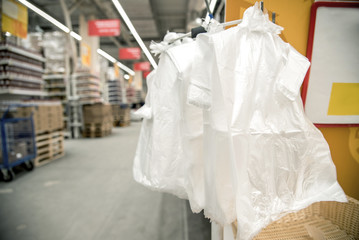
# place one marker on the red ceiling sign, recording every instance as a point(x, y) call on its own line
point(145, 74)
point(106, 27)
point(142, 66)
point(130, 53)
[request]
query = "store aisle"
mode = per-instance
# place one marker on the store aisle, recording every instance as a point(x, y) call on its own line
point(91, 194)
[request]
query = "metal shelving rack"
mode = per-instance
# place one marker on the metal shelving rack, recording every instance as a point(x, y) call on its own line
point(20, 71)
point(85, 89)
point(57, 87)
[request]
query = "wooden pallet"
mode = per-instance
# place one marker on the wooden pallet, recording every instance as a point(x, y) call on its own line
point(121, 123)
point(96, 134)
point(125, 123)
point(95, 130)
point(43, 132)
point(50, 146)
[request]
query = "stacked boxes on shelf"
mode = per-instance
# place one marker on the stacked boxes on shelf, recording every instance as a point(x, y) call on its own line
point(47, 116)
point(121, 115)
point(138, 97)
point(118, 100)
point(116, 92)
point(20, 69)
point(55, 47)
point(87, 87)
point(55, 87)
point(48, 124)
point(33, 41)
point(130, 95)
point(55, 52)
point(97, 120)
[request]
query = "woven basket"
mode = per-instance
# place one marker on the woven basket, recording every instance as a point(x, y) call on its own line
point(319, 221)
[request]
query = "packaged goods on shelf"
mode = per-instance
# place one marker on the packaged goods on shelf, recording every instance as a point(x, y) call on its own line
point(55, 85)
point(55, 47)
point(130, 94)
point(33, 41)
point(47, 115)
point(97, 119)
point(116, 92)
point(116, 87)
point(87, 86)
point(121, 115)
point(137, 96)
point(20, 68)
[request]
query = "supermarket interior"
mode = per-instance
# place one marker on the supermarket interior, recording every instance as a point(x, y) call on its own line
point(179, 119)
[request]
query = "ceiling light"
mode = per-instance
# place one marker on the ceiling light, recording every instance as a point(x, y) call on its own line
point(127, 69)
point(51, 19)
point(134, 32)
point(113, 60)
point(7, 34)
point(126, 76)
point(76, 36)
point(106, 55)
point(46, 16)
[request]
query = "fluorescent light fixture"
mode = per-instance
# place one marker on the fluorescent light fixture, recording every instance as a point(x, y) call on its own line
point(134, 32)
point(113, 60)
point(106, 55)
point(211, 7)
point(46, 16)
point(125, 68)
point(126, 76)
point(76, 36)
point(7, 34)
point(51, 19)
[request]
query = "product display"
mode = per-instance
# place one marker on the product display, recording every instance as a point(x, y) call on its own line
point(86, 86)
point(97, 120)
point(262, 158)
point(47, 115)
point(130, 94)
point(20, 68)
point(116, 87)
point(55, 45)
point(116, 92)
point(55, 85)
point(121, 115)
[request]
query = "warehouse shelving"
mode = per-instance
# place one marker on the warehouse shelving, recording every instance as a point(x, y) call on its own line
point(26, 53)
point(20, 71)
point(22, 92)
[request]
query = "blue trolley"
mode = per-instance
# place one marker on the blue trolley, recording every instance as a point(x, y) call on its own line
point(18, 145)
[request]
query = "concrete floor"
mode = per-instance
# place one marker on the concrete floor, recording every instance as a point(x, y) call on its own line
point(90, 194)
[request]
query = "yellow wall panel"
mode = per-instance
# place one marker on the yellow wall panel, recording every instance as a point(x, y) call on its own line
point(344, 99)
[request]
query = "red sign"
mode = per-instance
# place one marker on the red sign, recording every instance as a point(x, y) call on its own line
point(145, 74)
point(142, 66)
point(130, 53)
point(107, 27)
